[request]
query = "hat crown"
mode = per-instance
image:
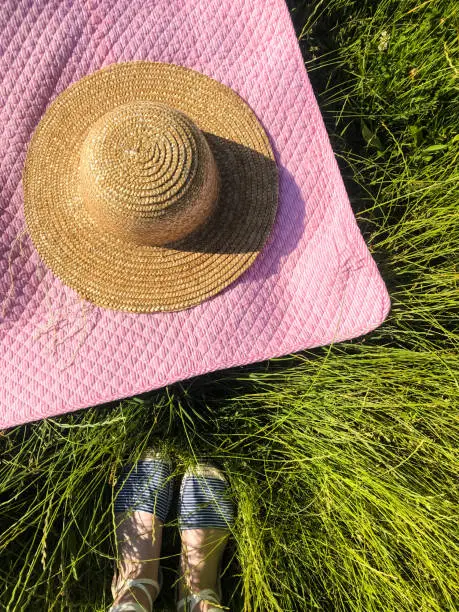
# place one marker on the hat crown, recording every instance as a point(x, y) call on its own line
point(147, 174)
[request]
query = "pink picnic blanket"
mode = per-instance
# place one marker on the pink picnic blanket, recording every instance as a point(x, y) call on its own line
point(314, 283)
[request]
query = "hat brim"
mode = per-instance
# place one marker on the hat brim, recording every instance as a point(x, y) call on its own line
point(119, 275)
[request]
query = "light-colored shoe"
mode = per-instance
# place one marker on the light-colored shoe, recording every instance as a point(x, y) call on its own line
point(139, 583)
point(190, 601)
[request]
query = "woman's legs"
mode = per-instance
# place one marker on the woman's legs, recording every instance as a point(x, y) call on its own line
point(202, 551)
point(139, 536)
point(205, 515)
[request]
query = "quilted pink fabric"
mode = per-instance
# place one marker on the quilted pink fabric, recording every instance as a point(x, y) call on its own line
point(315, 282)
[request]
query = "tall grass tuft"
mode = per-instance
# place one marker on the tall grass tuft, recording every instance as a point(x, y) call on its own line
point(343, 460)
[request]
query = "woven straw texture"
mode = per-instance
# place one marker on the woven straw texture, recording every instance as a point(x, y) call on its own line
point(314, 282)
point(159, 181)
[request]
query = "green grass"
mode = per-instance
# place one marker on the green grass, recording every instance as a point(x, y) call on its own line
point(343, 460)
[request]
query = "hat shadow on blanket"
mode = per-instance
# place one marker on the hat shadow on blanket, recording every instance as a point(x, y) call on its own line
point(25, 281)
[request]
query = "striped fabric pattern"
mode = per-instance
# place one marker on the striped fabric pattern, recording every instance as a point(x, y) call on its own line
point(204, 503)
point(145, 486)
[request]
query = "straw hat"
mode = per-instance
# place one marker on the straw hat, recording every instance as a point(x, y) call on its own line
point(149, 186)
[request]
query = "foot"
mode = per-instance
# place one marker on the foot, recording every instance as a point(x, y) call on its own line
point(206, 514)
point(139, 543)
point(143, 495)
point(202, 551)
